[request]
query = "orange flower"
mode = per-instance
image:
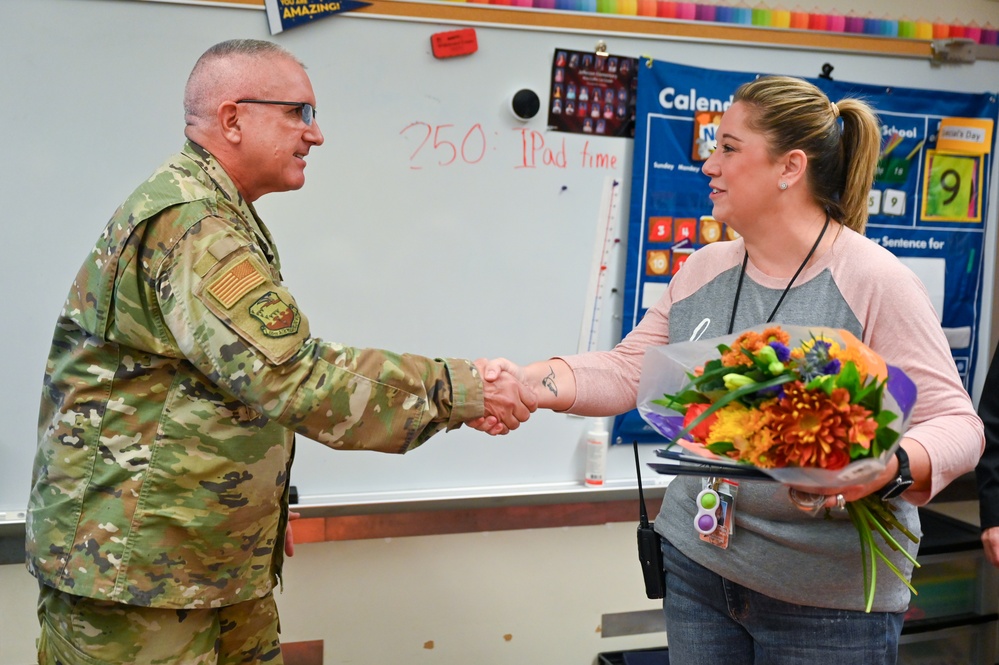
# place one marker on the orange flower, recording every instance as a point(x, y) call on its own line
point(752, 341)
point(868, 363)
point(813, 429)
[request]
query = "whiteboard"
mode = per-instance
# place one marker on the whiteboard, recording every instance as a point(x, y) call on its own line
point(385, 246)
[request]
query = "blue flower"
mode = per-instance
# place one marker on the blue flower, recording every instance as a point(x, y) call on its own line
point(782, 351)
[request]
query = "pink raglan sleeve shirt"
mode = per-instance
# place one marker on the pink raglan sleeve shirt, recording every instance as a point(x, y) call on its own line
point(898, 321)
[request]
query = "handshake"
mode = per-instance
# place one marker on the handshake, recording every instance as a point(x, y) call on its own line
point(508, 397)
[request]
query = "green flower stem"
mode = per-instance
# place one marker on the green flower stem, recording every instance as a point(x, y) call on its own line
point(869, 516)
point(867, 548)
point(893, 543)
point(887, 516)
point(896, 571)
point(875, 521)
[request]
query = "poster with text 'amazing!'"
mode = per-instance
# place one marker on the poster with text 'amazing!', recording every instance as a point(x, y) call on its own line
point(928, 203)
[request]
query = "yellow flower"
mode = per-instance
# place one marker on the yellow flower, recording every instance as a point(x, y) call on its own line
point(745, 429)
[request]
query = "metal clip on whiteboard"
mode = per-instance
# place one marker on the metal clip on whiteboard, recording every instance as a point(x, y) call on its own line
point(954, 50)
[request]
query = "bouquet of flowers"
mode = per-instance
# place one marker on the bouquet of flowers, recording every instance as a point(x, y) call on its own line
point(811, 407)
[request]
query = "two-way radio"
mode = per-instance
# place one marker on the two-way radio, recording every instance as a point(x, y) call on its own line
point(650, 553)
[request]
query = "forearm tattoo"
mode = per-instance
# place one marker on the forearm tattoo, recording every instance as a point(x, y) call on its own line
point(549, 382)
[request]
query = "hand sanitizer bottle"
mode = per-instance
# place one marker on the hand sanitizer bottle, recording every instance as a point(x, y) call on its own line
point(596, 443)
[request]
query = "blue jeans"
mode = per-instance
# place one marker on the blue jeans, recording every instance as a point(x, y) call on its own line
point(710, 619)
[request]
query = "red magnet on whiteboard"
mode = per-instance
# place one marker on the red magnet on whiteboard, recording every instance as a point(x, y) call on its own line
point(454, 42)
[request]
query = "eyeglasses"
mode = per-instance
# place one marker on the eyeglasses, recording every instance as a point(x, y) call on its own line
point(307, 109)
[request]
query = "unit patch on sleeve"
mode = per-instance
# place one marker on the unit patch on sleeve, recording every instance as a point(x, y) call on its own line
point(277, 318)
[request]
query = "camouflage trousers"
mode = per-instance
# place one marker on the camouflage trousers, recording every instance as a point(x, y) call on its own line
point(84, 631)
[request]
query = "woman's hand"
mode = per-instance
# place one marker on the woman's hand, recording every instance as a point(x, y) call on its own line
point(289, 538)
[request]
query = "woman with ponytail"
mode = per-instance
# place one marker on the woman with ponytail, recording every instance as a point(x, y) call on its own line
point(791, 174)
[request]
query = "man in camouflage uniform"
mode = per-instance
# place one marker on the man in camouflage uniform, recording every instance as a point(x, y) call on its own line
point(180, 370)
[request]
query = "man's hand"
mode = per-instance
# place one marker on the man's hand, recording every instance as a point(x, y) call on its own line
point(289, 539)
point(508, 399)
point(990, 541)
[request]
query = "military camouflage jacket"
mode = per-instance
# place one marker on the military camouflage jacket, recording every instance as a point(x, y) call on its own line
point(180, 368)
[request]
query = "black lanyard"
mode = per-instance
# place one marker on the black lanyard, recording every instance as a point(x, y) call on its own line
point(742, 273)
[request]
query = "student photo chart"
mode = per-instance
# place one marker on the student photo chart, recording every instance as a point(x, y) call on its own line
point(433, 220)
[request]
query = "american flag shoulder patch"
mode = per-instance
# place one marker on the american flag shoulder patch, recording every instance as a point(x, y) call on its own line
point(235, 282)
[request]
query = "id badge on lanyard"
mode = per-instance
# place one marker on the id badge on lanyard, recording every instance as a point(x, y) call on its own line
point(715, 517)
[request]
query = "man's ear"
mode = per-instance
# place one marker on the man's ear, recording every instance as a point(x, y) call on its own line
point(795, 163)
point(229, 123)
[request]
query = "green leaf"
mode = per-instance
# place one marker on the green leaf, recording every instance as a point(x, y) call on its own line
point(870, 396)
point(884, 439)
point(848, 377)
point(826, 383)
point(711, 379)
point(885, 417)
point(721, 447)
point(857, 451)
point(679, 401)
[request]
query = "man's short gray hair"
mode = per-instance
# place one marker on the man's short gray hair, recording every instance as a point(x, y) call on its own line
point(212, 71)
